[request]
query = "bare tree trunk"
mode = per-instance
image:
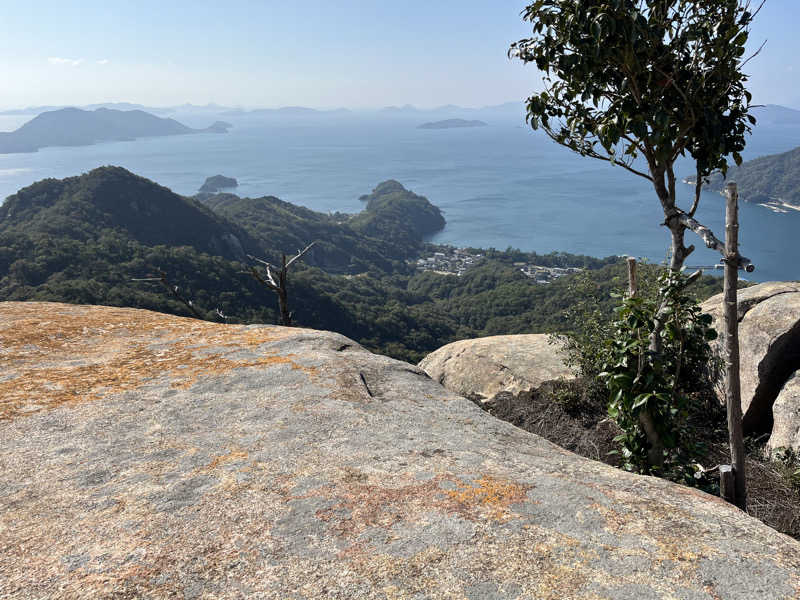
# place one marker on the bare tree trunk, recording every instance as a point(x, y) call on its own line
point(283, 297)
point(279, 286)
point(632, 284)
point(732, 383)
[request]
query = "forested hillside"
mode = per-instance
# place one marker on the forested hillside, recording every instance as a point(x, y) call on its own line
point(388, 230)
point(768, 178)
point(87, 239)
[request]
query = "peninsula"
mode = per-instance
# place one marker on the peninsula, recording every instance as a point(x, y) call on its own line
point(76, 127)
point(772, 181)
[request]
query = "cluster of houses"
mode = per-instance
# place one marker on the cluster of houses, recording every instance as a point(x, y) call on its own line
point(455, 261)
point(542, 274)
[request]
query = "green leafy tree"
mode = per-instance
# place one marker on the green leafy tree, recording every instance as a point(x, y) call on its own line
point(663, 388)
point(641, 83)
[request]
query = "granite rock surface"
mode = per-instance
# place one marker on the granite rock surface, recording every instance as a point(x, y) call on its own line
point(152, 456)
point(769, 347)
point(501, 363)
point(786, 417)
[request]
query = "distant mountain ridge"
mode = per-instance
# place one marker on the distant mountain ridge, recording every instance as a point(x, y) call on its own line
point(452, 124)
point(284, 111)
point(76, 127)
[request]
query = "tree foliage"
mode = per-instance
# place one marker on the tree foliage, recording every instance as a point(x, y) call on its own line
point(646, 393)
point(640, 83)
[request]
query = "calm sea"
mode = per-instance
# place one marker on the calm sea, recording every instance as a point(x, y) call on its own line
point(498, 186)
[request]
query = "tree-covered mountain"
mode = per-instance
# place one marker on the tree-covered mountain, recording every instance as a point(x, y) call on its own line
point(397, 215)
point(112, 199)
point(76, 127)
point(88, 240)
point(773, 178)
point(283, 227)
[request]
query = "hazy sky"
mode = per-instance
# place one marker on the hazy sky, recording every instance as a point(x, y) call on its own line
point(321, 53)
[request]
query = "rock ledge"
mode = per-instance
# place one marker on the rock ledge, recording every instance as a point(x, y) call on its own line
point(151, 456)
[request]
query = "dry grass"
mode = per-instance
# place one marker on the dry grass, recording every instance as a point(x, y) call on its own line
point(563, 413)
point(771, 496)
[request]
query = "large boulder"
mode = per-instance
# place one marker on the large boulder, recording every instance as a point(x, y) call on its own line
point(501, 363)
point(786, 415)
point(769, 346)
point(748, 298)
point(152, 456)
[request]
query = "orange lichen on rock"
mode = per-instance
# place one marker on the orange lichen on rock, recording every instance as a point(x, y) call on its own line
point(492, 494)
point(382, 505)
point(233, 455)
point(298, 464)
point(68, 354)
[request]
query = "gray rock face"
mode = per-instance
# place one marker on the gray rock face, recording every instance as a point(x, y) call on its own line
point(151, 456)
point(786, 416)
point(769, 345)
point(486, 366)
point(748, 298)
point(216, 183)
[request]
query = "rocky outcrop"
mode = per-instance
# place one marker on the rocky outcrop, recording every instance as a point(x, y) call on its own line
point(219, 127)
point(786, 417)
point(215, 183)
point(748, 298)
point(152, 456)
point(502, 363)
point(769, 346)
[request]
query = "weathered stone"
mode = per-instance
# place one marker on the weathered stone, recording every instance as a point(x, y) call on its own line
point(786, 416)
point(748, 298)
point(769, 345)
point(151, 456)
point(501, 363)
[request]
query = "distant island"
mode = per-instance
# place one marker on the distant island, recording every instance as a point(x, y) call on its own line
point(216, 183)
point(772, 181)
point(76, 127)
point(451, 124)
point(284, 111)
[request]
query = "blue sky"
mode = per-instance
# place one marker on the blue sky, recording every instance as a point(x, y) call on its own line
point(353, 53)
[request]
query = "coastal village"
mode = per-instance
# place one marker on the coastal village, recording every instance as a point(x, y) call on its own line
point(455, 261)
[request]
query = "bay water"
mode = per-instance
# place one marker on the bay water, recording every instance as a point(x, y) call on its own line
point(499, 186)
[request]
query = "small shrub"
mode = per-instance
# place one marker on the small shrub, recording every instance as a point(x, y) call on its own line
point(789, 461)
point(673, 390)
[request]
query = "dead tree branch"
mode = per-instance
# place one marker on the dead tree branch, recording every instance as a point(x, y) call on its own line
point(275, 278)
point(711, 241)
point(173, 290)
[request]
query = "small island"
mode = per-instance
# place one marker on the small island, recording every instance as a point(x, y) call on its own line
point(451, 124)
point(216, 183)
point(219, 127)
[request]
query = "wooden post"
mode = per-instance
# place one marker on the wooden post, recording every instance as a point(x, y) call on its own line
point(727, 485)
point(632, 288)
point(733, 398)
